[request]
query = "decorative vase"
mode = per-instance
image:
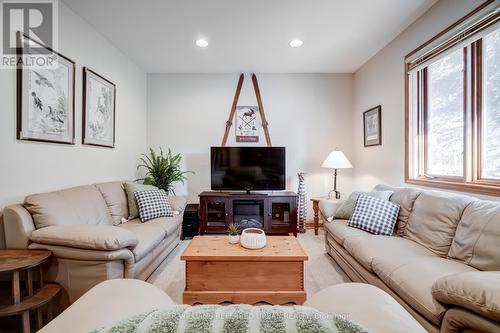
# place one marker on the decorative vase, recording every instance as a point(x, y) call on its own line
point(234, 239)
point(253, 238)
point(302, 203)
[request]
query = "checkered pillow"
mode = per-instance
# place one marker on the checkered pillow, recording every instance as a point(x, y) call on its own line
point(374, 215)
point(153, 204)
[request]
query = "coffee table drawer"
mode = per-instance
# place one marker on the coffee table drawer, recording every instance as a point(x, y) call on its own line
point(251, 276)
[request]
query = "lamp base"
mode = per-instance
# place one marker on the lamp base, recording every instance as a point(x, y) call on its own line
point(336, 194)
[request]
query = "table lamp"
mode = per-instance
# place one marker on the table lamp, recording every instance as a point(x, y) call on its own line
point(336, 160)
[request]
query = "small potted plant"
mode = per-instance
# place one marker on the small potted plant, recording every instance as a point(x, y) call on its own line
point(234, 238)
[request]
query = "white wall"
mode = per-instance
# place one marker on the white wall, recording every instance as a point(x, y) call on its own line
point(29, 167)
point(381, 81)
point(310, 114)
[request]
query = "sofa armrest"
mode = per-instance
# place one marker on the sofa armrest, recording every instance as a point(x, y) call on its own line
point(461, 320)
point(478, 292)
point(73, 253)
point(84, 236)
point(177, 203)
point(328, 208)
point(18, 226)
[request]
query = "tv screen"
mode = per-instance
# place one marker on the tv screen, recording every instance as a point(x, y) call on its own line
point(248, 168)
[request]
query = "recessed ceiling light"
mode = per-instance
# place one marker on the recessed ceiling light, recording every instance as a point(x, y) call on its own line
point(201, 43)
point(296, 43)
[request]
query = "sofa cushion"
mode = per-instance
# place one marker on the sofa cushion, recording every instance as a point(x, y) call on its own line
point(412, 279)
point(77, 205)
point(149, 236)
point(168, 224)
point(476, 291)
point(130, 188)
point(340, 230)
point(347, 208)
point(153, 204)
point(476, 241)
point(366, 249)
point(94, 237)
point(116, 200)
point(178, 203)
point(434, 219)
point(405, 197)
point(374, 215)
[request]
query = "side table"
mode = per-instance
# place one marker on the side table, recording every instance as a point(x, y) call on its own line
point(27, 261)
point(315, 203)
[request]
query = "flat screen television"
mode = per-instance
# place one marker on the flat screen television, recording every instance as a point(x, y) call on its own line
point(247, 168)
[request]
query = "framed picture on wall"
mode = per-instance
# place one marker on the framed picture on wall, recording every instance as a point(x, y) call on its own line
point(247, 127)
point(45, 94)
point(372, 126)
point(99, 96)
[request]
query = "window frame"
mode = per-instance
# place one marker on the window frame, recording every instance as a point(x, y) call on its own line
point(416, 170)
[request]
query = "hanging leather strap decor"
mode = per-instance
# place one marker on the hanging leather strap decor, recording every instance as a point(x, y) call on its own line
point(229, 121)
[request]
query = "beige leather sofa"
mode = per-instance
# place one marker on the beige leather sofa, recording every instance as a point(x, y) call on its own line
point(106, 304)
point(442, 263)
point(81, 226)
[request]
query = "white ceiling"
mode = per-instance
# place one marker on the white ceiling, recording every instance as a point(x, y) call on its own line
point(250, 35)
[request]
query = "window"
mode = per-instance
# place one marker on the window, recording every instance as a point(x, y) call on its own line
point(444, 115)
point(490, 168)
point(452, 92)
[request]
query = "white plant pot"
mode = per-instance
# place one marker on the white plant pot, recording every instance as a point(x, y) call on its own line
point(253, 238)
point(234, 239)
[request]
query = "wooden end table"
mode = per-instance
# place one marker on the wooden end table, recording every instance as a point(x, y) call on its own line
point(27, 261)
point(217, 271)
point(315, 203)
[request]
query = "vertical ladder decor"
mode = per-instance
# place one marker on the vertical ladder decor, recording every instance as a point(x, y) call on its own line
point(229, 121)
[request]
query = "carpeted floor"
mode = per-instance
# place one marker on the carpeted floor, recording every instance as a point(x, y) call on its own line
point(320, 270)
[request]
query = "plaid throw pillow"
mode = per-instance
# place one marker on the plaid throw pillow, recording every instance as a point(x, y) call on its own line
point(374, 215)
point(153, 204)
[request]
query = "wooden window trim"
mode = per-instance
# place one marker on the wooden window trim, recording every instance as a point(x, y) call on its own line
point(471, 181)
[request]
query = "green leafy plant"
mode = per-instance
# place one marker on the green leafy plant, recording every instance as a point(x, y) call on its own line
point(162, 170)
point(232, 230)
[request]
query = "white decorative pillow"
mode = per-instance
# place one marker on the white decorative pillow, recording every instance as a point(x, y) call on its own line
point(153, 204)
point(374, 215)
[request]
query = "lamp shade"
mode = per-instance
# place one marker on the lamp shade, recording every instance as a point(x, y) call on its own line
point(336, 160)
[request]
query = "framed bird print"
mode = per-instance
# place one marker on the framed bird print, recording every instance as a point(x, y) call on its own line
point(45, 94)
point(99, 97)
point(372, 125)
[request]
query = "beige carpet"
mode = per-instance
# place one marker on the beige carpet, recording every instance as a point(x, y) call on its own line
point(320, 270)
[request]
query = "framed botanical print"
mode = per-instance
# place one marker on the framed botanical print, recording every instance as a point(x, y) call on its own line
point(372, 125)
point(45, 94)
point(99, 96)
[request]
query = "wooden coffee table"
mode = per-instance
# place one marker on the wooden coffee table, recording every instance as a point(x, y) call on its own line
point(217, 271)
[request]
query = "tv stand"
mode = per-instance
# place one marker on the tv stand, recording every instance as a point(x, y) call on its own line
point(275, 213)
point(247, 192)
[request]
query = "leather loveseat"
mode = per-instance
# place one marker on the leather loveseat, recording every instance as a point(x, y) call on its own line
point(82, 227)
point(442, 263)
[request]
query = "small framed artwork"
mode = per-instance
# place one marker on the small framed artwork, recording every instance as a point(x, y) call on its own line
point(99, 96)
point(247, 129)
point(45, 94)
point(372, 125)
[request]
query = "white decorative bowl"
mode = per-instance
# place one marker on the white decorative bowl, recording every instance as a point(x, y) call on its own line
point(253, 238)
